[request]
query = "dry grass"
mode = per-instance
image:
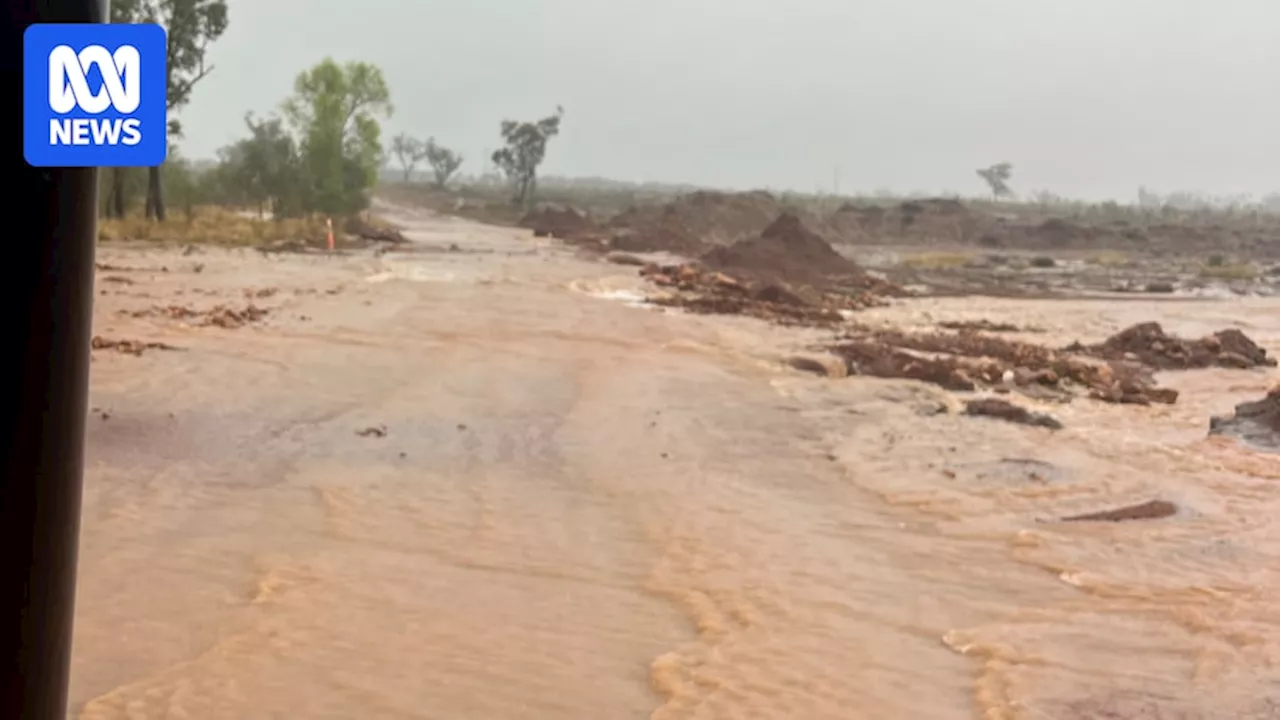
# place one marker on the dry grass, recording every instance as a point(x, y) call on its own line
point(215, 226)
point(937, 260)
point(1237, 271)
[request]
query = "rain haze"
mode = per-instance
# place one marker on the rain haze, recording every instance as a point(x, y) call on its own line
point(1087, 99)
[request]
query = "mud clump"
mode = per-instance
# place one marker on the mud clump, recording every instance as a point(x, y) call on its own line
point(1148, 344)
point(1150, 510)
point(127, 347)
point(1007, 411)
point(373, 431)
point(173, 312)
point(695, 289)
point(230, 318)
point(877, 360)
point(218, 316)
point(1256, 423)
point(986, 326)
point(967, 360)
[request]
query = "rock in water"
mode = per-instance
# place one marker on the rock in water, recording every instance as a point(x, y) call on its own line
point(1256, 423)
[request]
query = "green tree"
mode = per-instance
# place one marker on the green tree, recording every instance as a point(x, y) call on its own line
point(526, 147)
point(262, 169)
point(190, 25)
point(443, 161)
point(334, 111)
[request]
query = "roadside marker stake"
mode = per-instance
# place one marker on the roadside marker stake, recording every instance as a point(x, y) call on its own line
point(329, 223)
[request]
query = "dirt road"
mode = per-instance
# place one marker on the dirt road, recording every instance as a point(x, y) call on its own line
point(455, 484)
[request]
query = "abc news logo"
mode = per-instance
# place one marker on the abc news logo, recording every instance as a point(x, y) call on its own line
point(93, 95)
point(69, 89)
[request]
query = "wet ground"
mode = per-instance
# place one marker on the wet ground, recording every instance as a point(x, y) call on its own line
point(476, 479)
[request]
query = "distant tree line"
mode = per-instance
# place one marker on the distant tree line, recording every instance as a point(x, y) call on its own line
point(320, 154)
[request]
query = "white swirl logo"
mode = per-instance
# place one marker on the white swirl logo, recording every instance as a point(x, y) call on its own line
point(69, 87)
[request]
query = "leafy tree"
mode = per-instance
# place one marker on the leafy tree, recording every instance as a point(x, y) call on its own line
point(997, 178)
point(526, 147)
point(443, 161)
point(263, 169)
point(335, 110)
point(191, 25)
point(409, 151)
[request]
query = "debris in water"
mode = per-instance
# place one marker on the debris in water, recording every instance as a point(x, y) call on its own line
point(960, 361)
point(230, 318)
point(1150, 510)
point(1256, 423)
point(1002, 410)
point(127, 347)
point(824, 365)
point(1148, 344)
point(716, 293)
point(987, 326)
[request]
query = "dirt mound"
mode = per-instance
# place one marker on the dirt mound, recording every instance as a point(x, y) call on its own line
point(1256, 423)
point(1149, 344)
point(924, 222)
point(564, 223)
point(1059, 233)
point(707, 292)
point(787, 251)
point(967, 360)
point(663, 234)
point(693, 222)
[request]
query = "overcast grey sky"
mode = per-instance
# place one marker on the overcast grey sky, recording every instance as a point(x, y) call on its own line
point(1087, 98)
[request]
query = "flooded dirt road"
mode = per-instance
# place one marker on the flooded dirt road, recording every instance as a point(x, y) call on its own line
point(475, 484)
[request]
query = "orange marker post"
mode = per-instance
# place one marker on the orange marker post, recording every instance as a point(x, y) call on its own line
point(329, 224)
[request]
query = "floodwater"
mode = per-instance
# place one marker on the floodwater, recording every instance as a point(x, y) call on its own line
point(581, 508)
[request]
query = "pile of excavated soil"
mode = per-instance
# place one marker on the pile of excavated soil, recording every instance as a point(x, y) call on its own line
point(1149, 344)
point(564, 223)
point(789, 252)
point(691, 223)
point(933, 221)
point(662, 234)
point(692, 288)
point(1256, 423)
point(968, 360)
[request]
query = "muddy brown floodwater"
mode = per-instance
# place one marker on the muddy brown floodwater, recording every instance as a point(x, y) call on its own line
point(479, 483)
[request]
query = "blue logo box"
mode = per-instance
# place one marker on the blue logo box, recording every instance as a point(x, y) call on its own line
point(94, 95)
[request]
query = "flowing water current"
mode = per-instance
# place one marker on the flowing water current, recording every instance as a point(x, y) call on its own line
point(486, 484)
